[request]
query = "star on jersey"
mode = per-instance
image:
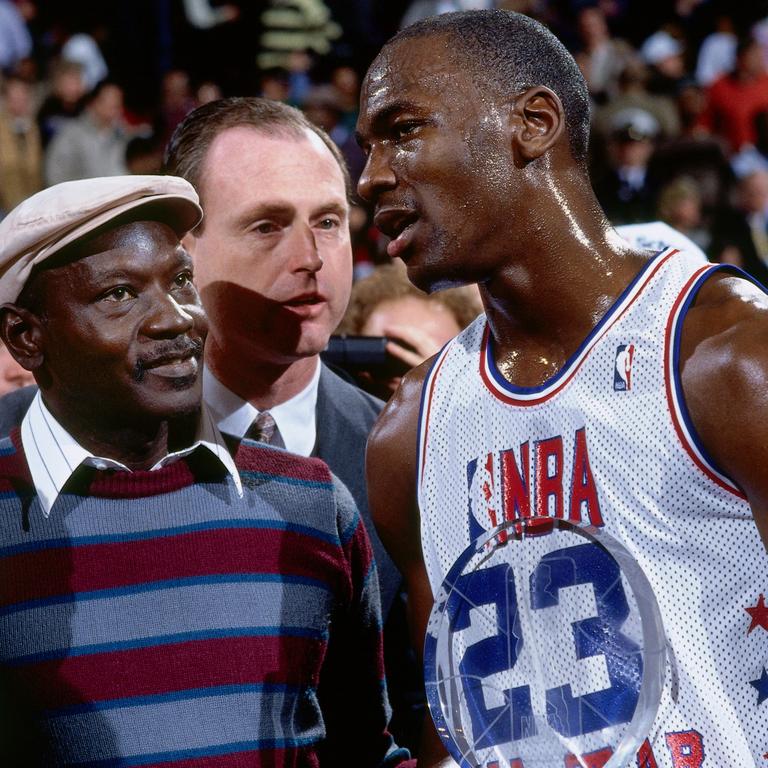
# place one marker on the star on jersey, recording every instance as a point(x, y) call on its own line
point(759, 614)
point(761, 686)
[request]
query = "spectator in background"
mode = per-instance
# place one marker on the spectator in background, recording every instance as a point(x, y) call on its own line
point(82, 48)
point(176, 102)
point(417, 324)
point(208, 91)
point(275, 84)
point(680, 205)
point(92, 144)
point(664, 54)
point(144, 156)
point(202, 15)
point(12, 375)
point(717, 55)
point(625, 191)
point(346, 81)
point(743, 238)
point(15, 40)
point(633, 93)
point(735, 100)
point(601, 58)
point(21, 153)
point(63, 103)
point(324, 106)
point(691, 103)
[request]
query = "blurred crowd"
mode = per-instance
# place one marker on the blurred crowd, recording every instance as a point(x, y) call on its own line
point(680, 92)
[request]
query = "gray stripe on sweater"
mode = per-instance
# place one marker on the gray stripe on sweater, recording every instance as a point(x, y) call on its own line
point(197, 608)
point(186, 724)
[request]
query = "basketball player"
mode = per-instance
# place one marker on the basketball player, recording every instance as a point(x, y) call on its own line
point(602, 384)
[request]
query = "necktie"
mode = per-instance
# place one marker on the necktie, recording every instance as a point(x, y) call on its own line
point(264, 430)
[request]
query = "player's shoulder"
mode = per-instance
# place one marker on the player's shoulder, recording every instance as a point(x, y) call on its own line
point(723, 355)
point(727, 325)
point(398, 421)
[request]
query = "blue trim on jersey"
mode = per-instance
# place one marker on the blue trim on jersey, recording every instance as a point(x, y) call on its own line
point(420, 422)
point(498, 377)
point(676, 380)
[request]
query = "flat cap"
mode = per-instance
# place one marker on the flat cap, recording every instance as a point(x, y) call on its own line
point(56, 217)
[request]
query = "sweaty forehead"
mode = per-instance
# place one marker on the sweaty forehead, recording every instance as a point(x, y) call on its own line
point(412, 68)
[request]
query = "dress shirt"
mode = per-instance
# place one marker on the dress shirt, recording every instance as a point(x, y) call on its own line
point(53, 454)
point(295, 418)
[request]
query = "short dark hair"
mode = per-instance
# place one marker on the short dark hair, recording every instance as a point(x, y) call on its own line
point(510, 52)
point(189, 145)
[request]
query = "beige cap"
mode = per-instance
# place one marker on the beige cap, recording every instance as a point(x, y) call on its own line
point(52, 219)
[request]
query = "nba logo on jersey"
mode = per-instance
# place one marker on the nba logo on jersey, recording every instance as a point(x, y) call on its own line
point(622, 373)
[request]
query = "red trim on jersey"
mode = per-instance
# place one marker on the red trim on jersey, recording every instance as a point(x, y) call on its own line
point(431, 391)
point(672, 399)
point(588, 345)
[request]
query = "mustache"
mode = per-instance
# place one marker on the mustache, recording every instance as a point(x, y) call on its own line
point(167, 351)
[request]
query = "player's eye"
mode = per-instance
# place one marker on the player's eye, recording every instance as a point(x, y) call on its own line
point(405, 129)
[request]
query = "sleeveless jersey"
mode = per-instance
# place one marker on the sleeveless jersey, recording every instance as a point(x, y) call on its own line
point(608, 440)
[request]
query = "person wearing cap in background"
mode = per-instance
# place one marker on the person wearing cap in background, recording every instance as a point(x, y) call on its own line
point(664, 55)
point(625, 191)
point(162, 601)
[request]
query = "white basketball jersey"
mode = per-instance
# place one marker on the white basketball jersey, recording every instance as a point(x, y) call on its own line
point(608, 440)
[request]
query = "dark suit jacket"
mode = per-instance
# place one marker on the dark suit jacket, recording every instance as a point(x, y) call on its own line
point(13, 406)
point(345, 415)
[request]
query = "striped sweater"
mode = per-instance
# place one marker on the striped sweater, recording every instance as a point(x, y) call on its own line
point(155, 618)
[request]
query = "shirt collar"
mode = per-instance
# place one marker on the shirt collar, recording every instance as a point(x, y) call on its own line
point(295, 418)
point(53, 454)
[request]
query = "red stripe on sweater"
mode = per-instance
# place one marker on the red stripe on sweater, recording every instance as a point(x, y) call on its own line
point(168, 668)
point(63, 571)
point(131, 485)
point(268, 758)
point(252, 458)
point(14, 472)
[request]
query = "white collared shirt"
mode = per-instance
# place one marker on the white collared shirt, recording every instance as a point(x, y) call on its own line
point(295, 418)
point(53, 454)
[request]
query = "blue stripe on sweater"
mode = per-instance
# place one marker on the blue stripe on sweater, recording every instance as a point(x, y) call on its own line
point(182, 695)
point(154, 586)
point(283, 480)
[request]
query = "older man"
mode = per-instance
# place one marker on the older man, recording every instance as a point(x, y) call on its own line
point(604, 384)
point(273, 261)
point(162, 603)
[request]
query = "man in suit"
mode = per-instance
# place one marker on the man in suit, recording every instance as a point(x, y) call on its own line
point(273, 262)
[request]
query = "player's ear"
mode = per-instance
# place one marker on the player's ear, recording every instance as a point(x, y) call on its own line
point(539, 122)
point(22, 332)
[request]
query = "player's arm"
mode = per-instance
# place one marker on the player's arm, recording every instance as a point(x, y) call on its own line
point(391, 463)
point(724, 374)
